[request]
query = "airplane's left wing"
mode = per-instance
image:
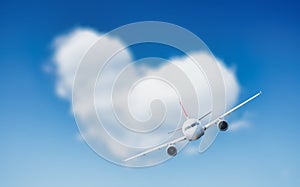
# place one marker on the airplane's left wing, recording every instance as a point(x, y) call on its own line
point(156, 148)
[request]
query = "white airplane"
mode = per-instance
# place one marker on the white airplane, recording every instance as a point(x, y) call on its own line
point(192, 130)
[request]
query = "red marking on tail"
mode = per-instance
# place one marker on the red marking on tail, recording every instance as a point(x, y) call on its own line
point(184, 112)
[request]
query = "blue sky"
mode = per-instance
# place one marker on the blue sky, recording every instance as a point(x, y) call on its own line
point(38, 134)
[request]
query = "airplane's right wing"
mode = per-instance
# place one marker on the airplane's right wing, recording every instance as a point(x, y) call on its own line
point(156, 148)
point(230, 111)
point(210, 134)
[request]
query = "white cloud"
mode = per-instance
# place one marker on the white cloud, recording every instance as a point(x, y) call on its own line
point(242, 123)
point(239, 124)
point(70, 49)
point(232, 87)
point(191, 150)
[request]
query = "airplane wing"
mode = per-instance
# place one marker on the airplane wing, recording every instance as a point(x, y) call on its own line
point(230, 111)
point(156, 148)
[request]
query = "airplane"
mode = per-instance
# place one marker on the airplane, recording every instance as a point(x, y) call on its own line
point(192, 130)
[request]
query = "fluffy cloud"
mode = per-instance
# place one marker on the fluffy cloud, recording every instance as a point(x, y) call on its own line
point(70, 49)
point(241, 123)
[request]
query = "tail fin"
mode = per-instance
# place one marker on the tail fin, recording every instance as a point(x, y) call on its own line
point(184, 111)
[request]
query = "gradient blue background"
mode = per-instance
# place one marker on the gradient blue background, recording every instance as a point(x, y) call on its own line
point(38, 145)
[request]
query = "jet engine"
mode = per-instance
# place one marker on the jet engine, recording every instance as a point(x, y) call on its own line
point(223, 125)
point(172, 150)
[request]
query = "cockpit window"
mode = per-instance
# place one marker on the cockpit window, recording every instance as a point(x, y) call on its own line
point(192, 125)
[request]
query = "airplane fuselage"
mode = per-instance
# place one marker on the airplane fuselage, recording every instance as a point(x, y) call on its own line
point(192, 129)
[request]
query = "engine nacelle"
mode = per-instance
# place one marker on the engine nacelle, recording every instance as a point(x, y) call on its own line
point(171, 150)
point(223, 125)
